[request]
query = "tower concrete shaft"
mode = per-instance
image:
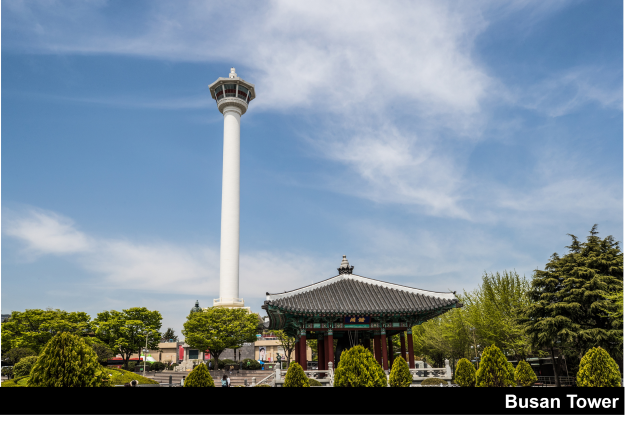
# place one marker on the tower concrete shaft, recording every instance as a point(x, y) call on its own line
point(233, 96)
point(230, 207)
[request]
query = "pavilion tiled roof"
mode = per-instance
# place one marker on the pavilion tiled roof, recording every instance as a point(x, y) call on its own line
point(354, 294)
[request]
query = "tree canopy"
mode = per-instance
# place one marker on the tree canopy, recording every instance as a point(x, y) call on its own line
point(570, 299)
point(126, 332)
point(33, 328)
point(169, 336)
point(216, 329)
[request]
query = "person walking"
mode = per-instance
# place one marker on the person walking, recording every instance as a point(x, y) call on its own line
point(181, 382)
point(224, 382)
point(229, 382)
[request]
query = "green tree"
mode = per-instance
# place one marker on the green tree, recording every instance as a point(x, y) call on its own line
point(67, 361)
point(569, 303)
point(493, 310)
point(127, 332)
point(358, 368)
point(465, 373)
point(169, 336)
point(102, 350)
point(295, 377)
point(400, 376)
point(216, 329)
point(287, 341)
point(199, 378)
point(598, 370)
point(24, 366)
point(524, 374)
point(16, 354)
point(493, 370)
point(445, 336)
point(33, 328)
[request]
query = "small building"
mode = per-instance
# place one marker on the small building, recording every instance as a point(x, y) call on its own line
point(268, 346)
point(354, 310)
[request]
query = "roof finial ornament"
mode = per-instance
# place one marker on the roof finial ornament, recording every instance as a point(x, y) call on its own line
point(233, 73)
point(345, 267)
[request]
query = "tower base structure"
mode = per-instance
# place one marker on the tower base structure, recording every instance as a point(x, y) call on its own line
point(230, 303)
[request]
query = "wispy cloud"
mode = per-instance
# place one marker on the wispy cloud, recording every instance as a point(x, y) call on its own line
point(156, 266)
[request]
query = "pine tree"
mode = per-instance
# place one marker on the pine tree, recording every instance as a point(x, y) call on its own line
point(295, 377)
point(67, 361)
point(465, 373)
point(400, 376)
point(525, 375)
point(199, 378)
point(570, 299)
point(493, 369)
point(358, 368)
point(598, 370)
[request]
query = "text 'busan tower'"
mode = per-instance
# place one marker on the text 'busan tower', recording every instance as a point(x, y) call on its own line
point(233, 96)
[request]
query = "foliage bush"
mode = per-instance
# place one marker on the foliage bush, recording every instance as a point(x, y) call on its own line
point(511, 379)
point(358, 368)
point(493, 369)
point(13, 356)
point(18, 382)
point(524, 374)
point(24, 366)
point(199, 378)
point(598, 370)
point(465, 374)
point(68, 361)
point(314, 382)
point(120, 377)
point(400, 376)
point(433, 381)
point(158, 366)
point(296, 378)
point(249, 364)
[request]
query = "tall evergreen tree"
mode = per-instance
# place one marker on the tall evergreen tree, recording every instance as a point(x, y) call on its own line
point(569, 299)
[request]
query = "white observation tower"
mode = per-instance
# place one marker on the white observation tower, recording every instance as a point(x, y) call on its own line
point(233, 96)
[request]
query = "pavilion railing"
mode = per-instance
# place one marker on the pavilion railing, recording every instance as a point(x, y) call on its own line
point(311, 374)
point(423, 373)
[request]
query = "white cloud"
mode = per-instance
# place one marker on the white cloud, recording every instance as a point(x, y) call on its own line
point(45, 232)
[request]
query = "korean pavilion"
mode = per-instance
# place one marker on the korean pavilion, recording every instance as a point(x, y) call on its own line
point(355, 310)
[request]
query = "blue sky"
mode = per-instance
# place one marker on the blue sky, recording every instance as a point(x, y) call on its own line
point(428, 141)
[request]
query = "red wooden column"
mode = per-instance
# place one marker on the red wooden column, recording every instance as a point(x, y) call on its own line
point(377, 349)
point(403, 350)
point(303, 349)
point(390, 347)
point(384, 349)
point(412, 361)
point(330, 355)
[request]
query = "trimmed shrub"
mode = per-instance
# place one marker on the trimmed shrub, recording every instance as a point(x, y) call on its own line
point(120, 377)
point(433, 381)
point(493, 370)
point(314, 382)
point(14, 355)
point(358, 368)
point(400, 376)
point(296, 378)
point(24, 366)
point(511, 381)
point(524, 374)
point(68, 361)
point(15, 383)
point(199, 378)
point(465, 374)
point(157, 366)
point(598, 370)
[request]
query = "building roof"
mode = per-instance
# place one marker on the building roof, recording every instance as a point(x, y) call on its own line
point(354, 294)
